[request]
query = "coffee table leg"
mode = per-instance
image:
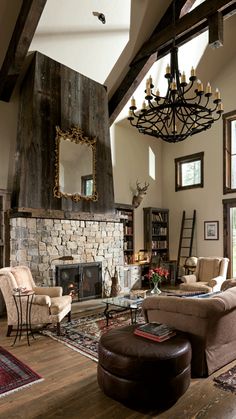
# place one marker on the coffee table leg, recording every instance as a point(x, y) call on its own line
point(106, 313)
point(133, 315)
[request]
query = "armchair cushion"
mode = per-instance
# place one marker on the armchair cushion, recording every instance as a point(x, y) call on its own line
point(189, 278)
point(59, 303)
point(208, 269)
point(23, 277)
point(51, 291)
point(42, 300)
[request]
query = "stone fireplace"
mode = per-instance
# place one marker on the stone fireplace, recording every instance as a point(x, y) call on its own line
point(88, 238)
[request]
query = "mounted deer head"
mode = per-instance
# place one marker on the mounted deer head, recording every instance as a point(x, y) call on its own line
point(138, 197)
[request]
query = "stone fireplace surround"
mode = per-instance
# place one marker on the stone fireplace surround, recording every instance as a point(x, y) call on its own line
point(35, 241)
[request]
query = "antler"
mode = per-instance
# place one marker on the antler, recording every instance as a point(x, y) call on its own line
point(140, 189)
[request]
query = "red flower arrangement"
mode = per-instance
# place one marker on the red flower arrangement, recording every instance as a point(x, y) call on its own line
point(156, 275)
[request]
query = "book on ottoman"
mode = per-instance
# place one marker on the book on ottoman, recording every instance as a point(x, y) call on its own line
point(155, 331)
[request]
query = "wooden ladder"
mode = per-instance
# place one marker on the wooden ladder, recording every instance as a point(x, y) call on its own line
point(186, 239)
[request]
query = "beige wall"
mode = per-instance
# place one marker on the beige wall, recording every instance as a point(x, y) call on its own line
point(130, 156)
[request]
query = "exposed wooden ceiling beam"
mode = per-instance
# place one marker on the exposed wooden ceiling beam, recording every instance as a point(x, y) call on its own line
point(25, 27)
point(136, 74)
point(186, 28)
point(216, 30)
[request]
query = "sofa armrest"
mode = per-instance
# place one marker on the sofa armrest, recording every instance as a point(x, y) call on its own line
point(188, 306)
point(189, 279)
point(228, 283)
point(42, 300)
point(50, 291)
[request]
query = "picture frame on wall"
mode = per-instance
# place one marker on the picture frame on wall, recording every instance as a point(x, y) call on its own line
point(211, 230)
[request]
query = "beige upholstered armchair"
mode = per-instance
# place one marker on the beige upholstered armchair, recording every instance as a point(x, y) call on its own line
point(209, 275)
point(48, 306)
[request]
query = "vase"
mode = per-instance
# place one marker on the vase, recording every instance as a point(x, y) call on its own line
point(155, 289)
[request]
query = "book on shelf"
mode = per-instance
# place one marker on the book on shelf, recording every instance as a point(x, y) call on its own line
point(155, 331)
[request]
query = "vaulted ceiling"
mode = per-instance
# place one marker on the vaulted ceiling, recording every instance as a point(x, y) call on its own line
point(148, 39)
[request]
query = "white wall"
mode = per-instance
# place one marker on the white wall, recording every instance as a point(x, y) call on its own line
point(208, 200)
point(69, 33)
point(130, 157)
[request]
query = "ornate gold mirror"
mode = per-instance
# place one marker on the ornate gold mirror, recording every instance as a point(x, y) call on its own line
point(75, 175)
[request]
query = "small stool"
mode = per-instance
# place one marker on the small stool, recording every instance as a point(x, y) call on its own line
point(140, 372)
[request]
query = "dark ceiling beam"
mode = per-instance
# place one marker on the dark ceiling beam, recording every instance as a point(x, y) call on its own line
point(137, 72)
point(24, 30)
point(186, 28)
point(215, 22)
point(192, 20)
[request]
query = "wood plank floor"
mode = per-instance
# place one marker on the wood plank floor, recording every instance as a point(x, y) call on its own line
point(70, 389)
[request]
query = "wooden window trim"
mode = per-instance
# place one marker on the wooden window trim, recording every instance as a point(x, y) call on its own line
point(227, 119)
point(178, 173)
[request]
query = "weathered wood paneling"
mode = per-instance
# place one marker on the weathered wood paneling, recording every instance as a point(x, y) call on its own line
point(53, 94)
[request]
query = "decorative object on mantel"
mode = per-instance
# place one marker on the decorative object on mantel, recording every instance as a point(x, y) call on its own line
point(140, 193)
point(14, 374)
point(72, 145)
point(181, 112)
point(156, 275)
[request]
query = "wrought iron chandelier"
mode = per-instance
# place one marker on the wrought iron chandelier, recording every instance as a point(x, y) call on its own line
point(182, 112)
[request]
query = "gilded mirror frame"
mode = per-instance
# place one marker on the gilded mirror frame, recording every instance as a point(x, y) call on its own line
point(75, 135)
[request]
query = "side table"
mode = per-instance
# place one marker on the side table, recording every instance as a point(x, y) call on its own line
point(23, 302)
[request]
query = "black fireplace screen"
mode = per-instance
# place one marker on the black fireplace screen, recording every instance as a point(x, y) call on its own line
point(82, 281)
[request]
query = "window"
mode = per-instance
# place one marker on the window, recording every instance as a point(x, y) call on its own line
point(189, 172)
point(87, 185)
point(229, 135)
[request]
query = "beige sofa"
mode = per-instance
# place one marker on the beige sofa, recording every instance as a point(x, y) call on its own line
point(209, 322)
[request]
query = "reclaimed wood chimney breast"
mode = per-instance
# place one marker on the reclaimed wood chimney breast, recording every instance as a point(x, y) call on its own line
point(53, 94)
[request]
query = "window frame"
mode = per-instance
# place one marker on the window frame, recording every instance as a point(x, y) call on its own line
point(227, 154)
point(178, 172)
point(84, 180)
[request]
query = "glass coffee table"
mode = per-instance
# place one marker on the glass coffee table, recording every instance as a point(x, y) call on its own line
point(120, 304)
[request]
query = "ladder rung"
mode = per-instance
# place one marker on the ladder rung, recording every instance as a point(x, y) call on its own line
point(188, 219)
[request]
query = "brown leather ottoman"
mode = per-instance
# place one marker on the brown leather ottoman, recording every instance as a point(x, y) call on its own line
point(140, 372)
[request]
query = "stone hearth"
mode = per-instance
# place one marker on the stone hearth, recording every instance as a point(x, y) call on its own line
point(36, 241)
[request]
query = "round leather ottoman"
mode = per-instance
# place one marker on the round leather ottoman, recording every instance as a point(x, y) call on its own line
point(140, 372)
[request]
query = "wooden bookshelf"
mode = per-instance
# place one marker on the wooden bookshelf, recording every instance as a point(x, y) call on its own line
point(126, 214)
point(156, 232)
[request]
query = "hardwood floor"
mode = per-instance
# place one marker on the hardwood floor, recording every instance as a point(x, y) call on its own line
point(70, 389)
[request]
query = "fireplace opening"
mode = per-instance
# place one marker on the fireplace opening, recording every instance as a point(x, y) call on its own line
point(83, 281)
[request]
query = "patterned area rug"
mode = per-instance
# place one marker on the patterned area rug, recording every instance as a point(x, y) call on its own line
point(14, 375)
point(83, 334)
point(227, 380)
